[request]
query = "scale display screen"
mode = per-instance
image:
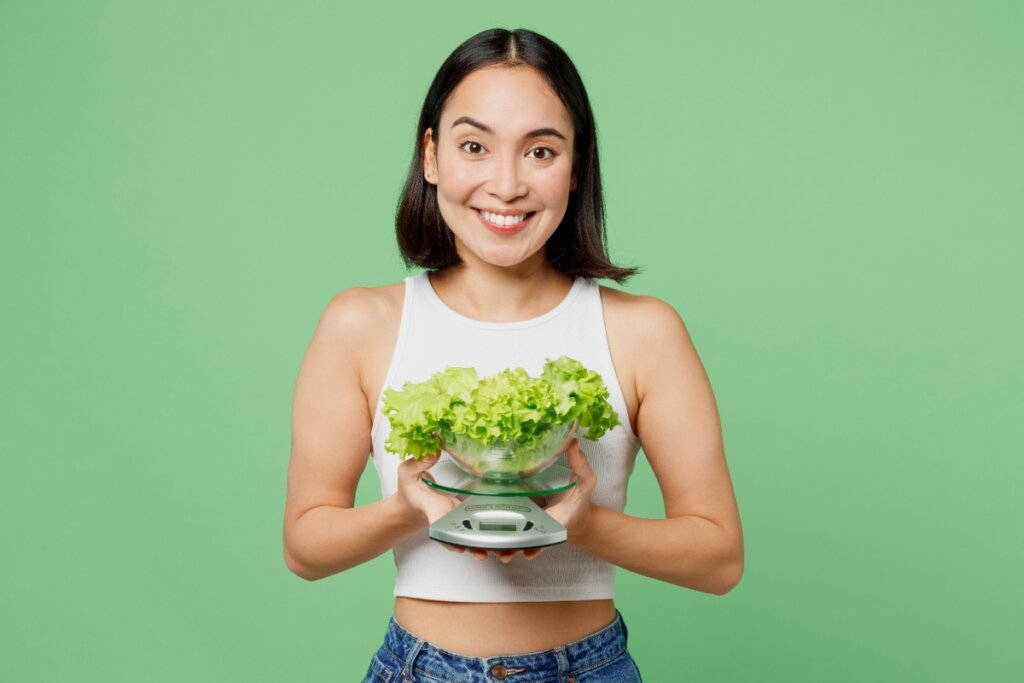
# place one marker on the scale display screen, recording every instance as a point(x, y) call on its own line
point(497, 526)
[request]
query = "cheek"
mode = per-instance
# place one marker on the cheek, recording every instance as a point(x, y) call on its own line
point(556, 183)
point(457, 181)
point(556, 191)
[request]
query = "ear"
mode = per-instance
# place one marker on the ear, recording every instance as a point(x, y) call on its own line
point(429, 157)
point(572, 184)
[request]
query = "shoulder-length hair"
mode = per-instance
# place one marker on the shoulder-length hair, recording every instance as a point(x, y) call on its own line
point(578, 246)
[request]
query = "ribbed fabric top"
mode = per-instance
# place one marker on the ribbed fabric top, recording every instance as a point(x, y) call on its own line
point(432, 336)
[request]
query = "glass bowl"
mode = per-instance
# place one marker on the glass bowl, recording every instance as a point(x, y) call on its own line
point(507, 462)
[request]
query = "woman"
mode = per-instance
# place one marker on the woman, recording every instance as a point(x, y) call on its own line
point(503, 207)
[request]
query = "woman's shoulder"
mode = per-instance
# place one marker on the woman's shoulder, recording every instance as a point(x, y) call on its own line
point(365, 309)
point(377, 295)
point(632, 322)
point(636, 310)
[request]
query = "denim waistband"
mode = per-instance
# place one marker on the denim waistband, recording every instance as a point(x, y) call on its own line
point(572, 658)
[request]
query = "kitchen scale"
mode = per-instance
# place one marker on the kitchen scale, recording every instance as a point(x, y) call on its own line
point(500, 481)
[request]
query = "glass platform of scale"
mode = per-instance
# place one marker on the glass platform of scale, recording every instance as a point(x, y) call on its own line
point(498, 514)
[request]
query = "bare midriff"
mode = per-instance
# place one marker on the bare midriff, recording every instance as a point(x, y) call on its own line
point(501, 628)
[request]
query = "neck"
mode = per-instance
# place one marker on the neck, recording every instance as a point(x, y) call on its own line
point(502, 294)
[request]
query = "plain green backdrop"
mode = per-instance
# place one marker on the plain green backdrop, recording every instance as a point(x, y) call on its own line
point(829, 193)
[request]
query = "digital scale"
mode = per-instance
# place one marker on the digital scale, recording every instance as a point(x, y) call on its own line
point(498, 513)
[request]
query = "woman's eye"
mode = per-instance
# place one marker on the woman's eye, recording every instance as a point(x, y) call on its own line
point(549, 151)
point(476, 145)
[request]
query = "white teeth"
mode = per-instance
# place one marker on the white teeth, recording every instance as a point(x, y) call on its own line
point(505, 221)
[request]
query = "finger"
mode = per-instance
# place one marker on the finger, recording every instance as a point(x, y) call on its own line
point(555, 499)
point(531, 553)
point(578, 461)
point(415, 468)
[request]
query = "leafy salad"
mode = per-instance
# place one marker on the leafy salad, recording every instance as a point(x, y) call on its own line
point(508, 407)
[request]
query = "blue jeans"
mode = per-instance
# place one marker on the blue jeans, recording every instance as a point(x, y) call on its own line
point(598, 658)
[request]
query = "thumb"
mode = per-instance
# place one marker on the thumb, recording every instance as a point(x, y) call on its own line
point(414, 466)
point(578, 461)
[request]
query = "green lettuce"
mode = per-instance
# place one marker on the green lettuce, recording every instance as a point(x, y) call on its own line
point(509, 407)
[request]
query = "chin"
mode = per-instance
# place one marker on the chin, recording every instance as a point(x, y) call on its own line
point(506, 261)
point(497, 258)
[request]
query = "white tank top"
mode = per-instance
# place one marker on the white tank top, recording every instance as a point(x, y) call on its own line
point(432, 336)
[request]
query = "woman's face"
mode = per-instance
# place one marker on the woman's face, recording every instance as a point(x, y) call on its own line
point(504, 145)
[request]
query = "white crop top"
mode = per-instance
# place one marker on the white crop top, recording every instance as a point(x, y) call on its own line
point(432, 336)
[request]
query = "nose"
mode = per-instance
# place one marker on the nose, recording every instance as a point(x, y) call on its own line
point(506, 183)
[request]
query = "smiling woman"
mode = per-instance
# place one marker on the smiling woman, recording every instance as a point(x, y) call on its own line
point(503, 208)
point(513, 104)
point(492, 159)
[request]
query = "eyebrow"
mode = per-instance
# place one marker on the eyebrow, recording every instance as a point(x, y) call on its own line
point(536, 133)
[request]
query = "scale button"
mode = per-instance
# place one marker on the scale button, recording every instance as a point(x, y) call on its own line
point(528, 526)
point(466, 524)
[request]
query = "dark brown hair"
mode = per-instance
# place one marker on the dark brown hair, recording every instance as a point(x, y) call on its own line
point(578, 246)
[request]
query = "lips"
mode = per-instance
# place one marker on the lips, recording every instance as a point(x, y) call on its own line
point(505, 229)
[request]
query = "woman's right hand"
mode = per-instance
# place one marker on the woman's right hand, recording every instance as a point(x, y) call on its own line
point(418, 498)
point(431, 505)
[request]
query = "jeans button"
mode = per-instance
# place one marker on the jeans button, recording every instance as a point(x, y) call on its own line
point(499, 671)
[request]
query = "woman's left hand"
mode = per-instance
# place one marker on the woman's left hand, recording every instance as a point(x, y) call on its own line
point(569, 508)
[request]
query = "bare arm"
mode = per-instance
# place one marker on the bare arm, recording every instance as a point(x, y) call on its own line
point(699, 544)
point(323, 533)
point(689, 551)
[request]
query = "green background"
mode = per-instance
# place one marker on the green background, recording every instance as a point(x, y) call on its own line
point(830, 194)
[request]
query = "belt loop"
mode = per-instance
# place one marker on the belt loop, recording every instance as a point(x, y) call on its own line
point(407, 676)
point(563, 662)
point(625, 631)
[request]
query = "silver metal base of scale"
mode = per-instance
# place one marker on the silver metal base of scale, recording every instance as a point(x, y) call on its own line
point(499, 516)
point(491, 523)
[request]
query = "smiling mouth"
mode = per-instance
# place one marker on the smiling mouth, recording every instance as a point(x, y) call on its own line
point(505, 222)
